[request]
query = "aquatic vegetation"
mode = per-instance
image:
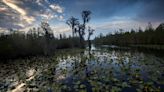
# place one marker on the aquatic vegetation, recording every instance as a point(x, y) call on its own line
point(106, 71)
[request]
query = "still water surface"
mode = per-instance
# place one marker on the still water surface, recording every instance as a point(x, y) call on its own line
point(105, 70)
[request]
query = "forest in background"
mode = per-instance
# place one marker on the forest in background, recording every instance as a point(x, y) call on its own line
point(150, 37)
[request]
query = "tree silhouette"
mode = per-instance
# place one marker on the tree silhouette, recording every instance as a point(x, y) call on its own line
point(80, 28)
point(149, 27)
point(149, 37)
point(48, 35)
point(86, 17)
point(47, 29)
point(90, 32)
point(72, 22)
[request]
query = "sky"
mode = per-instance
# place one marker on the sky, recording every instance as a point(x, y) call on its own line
point(107, 15)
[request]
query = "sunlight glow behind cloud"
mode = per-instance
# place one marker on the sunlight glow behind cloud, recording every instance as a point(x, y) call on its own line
point(22, 12)
point(15, 7)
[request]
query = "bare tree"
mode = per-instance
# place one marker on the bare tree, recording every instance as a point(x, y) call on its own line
point(81, 27)
point(48, 35)
point(72, 22)
point(149, 27)
point(90, 32)
point(80, 30)
point(47, 29)
point(86, 17)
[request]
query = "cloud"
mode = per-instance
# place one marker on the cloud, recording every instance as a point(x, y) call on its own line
point(2, 30)
point(61, 28)
point(61, 18)
point(3, 9)
point(125, 24)
point(22, 12)
point(57, 8)
point(14, 16)
point(143, 10)
point(20, 24)
point(15, 7)
point(107, 14)
point(19, 14)
point(47, 16)
point(151, 10)
point(39, 2)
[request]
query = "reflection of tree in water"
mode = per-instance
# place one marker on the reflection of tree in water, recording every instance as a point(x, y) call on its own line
point(90, 32)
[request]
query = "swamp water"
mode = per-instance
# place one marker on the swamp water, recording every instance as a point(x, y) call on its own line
point(77, 71)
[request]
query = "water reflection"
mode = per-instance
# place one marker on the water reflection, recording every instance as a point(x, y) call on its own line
point(21, 86)
point(103, 70)
point(131, 69)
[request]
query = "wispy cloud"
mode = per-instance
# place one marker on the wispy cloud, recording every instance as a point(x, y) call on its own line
point(56, 8)
point(106, 14)
point(24, 13)
point(2, 9)
point(15, 7)
point(61, 28)
point(126, 25)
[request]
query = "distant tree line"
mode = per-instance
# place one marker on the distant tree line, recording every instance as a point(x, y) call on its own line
point(37, 41)
point(149, 36)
